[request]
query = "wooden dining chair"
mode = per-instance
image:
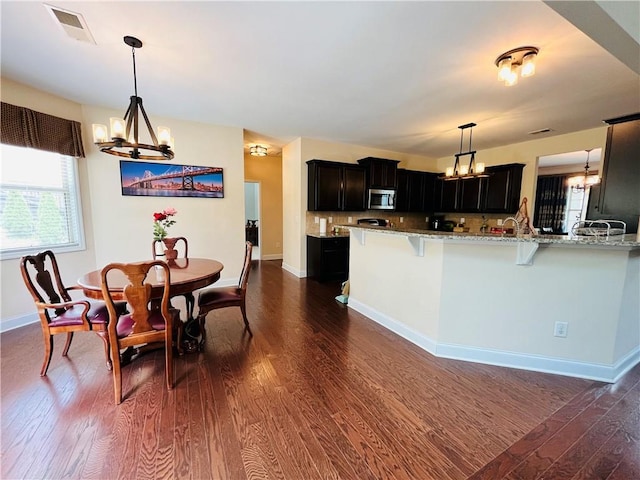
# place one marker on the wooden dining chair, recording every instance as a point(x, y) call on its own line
point(215, 298)
point(58, 312)
point(149, 321)
point(188, 297)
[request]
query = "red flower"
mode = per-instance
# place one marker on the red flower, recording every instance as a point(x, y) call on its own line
point(159, 216)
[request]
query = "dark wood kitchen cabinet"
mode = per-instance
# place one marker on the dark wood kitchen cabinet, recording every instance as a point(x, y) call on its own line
point(460, 195)
point(334, 186)
point(327, 257)
point(497, 193)
point(503, 188)
point(618, 195)
point(381, 173)
point(415, 191)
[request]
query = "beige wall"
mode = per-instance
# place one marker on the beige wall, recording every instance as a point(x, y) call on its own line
point(268, 172)
point(119, 228)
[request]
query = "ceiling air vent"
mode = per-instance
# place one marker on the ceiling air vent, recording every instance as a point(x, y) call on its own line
point(71, 23)
point(542, 130)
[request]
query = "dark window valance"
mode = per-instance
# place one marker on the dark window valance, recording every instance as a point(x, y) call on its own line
point(27, 128)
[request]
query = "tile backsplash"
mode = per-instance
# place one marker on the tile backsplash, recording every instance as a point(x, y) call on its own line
point(417, 221)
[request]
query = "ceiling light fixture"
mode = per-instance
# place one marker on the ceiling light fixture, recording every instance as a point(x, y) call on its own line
point(124, 142)
point(473, 170)
point(520, 60)
point(258, 150)
point(584, 181)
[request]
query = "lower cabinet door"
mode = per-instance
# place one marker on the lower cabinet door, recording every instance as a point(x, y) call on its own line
point(327, 258)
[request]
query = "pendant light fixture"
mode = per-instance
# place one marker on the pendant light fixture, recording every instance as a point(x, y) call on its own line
point(585, 181)
point(521, 60)
point(461, 170)
point(125, 131)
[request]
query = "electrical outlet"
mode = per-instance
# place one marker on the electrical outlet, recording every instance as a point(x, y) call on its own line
point(462, 219)
point(499, 221)
point(349, 219)
point(330, 220)
point(401, 219)
point(426, 219)
point(560, 329)
point(277, 244)
point(316, 219)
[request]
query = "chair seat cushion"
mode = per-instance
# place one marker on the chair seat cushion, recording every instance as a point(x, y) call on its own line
point(219, 295)
point(97, 313)
point(125, 323)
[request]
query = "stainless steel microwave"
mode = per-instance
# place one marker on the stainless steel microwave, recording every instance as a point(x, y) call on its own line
point(380, 199)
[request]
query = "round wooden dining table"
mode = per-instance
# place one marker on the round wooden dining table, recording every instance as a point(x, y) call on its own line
point(187, 275)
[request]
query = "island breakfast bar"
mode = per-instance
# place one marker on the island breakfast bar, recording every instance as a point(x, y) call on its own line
point(497, 299)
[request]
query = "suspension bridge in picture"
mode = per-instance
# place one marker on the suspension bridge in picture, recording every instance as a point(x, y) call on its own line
point(185, 177)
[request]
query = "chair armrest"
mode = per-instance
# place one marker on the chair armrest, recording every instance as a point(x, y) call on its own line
point(65, 305)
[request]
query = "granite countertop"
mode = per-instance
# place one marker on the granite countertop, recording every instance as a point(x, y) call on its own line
point(628, 240)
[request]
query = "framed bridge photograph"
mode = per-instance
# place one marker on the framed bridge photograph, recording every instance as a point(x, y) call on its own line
point(170, 180)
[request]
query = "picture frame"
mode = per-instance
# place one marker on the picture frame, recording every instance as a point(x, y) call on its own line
point(170, 180)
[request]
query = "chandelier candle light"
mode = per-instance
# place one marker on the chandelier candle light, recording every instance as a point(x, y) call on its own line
point(473, 170)
point(125, 140)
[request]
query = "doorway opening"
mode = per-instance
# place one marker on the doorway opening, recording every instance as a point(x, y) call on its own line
point(559, 205)
point(253, 230)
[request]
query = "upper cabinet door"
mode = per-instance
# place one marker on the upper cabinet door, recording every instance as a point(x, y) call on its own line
point(354, 188)
point(324, 186)
point(381, 173)
point(503, 188)
point(334, 186)
point(472, 193)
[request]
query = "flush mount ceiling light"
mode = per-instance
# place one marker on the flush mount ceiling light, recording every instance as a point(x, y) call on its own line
point(473, 170)
point(585, 181)
point(521, 60)
point(258, 150)
point(124, 140)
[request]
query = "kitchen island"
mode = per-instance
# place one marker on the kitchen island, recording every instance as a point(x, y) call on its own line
point(503, 300)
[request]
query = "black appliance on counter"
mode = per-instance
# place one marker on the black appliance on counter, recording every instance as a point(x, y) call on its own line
point(438, 223)
point(376, 222)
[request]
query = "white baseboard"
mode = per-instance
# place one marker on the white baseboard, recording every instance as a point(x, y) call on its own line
point(297, 273)
point(536, 363)
point(17, 322)
point(405, 332)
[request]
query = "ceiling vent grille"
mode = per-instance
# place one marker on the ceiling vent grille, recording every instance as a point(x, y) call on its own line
point(71, 23)
point(542, 130)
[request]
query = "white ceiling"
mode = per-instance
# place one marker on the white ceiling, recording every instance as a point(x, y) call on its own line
point(399, 76)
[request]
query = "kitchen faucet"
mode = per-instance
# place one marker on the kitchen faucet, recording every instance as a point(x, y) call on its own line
point(515, 222)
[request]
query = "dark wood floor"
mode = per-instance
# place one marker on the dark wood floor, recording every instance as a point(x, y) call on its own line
point(320, 392)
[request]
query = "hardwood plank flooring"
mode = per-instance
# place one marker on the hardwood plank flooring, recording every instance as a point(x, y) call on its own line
point(319, 392)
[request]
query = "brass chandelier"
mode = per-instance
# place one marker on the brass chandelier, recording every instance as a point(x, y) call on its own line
point(125, 131)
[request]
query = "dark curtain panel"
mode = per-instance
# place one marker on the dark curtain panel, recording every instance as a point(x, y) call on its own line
point(551, 202)
point(27, 128)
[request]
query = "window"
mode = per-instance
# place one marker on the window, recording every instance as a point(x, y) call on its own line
point(39, 202)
